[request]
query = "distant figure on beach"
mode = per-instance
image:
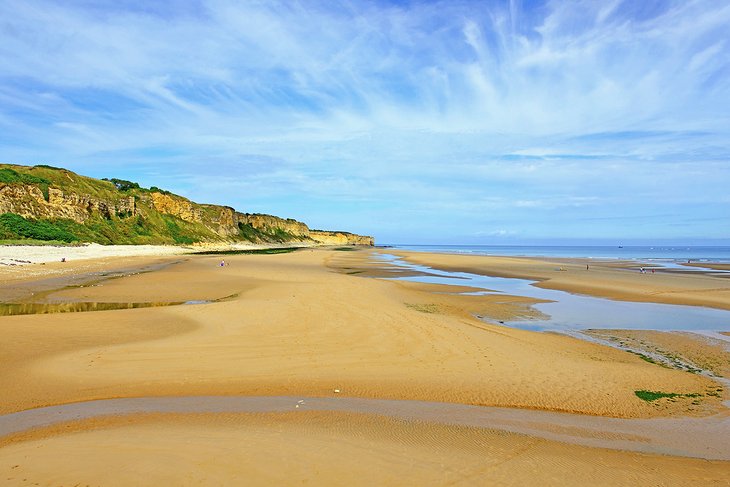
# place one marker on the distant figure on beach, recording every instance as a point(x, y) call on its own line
point(63, 259)
point(642, 270)
point(223, 262)
point(586, 266)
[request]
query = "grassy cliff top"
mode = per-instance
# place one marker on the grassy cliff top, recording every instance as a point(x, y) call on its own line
point(112, 211)
point(50, 204)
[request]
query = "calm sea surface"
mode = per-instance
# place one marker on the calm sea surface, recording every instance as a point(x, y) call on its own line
point(657, 253)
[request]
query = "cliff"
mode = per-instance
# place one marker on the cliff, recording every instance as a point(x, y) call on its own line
point(32, 202)
point(273, 224)
point(340, 238)
point(47, 203)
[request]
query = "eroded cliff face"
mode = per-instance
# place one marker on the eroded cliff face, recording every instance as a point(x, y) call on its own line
point(270, 224)
point(226, 221)
point(48, 193)
point(223, 220)
point(340, 238)
point(177, 206)
point(30, 202)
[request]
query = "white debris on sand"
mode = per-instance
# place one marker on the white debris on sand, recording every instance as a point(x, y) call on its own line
point(37, 254)
point(15, 255)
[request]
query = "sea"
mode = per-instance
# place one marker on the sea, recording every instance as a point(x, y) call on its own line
point(657, 253)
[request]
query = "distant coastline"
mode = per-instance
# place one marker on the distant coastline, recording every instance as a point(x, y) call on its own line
point(667, 253)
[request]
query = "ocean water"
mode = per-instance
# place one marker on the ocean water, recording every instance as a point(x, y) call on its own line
point(641, 253)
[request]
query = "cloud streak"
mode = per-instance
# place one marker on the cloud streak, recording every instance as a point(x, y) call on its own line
point(354, 114)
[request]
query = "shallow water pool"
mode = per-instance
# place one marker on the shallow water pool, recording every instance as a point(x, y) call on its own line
point(566, 311)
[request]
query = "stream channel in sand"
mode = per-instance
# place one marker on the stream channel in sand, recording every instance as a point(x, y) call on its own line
point(689, 437)
point(34, 297)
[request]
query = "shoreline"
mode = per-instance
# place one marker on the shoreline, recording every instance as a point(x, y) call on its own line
point(647, 253)
point(611, 280)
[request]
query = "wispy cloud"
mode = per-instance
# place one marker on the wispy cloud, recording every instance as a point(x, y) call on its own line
point(471, 112)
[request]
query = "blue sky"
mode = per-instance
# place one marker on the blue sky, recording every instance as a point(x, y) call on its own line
point(490, 122)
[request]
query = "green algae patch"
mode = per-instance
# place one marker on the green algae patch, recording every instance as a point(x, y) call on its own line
point(649, 396)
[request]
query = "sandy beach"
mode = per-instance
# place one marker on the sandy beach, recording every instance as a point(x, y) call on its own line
point(17, 261)
point(22, 255)
point(315, 324)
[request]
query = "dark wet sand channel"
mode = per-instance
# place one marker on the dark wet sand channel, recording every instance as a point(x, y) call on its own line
point(688, 437)
point(35, 297)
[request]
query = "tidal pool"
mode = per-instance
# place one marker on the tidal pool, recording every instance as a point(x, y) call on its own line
point(12, 309)
point(573, 312)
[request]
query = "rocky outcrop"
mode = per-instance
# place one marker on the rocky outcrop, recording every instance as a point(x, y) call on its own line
point(271, 224)
point(84, 206)
point(26, 201)
point(226, 222)
point(106, 207)
point(177, 206)
point(30, 202)
point(223, 220)
point(340, 238)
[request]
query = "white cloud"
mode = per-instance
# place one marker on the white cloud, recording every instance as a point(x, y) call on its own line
point(416, 105)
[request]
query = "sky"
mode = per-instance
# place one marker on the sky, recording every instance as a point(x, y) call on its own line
point(449, 122)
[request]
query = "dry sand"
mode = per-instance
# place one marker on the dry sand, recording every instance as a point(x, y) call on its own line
point(13, 255)
point(24, 261)
point(308, 323)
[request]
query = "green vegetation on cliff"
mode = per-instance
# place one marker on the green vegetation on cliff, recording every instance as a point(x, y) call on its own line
point(14, 226)
point(10, 176)
point(247, 232)
point(278, 250)
point(48, 204)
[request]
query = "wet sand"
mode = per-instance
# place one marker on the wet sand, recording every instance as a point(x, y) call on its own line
point(326, 449)
point(692, 351)
point(307, 324)
point(667, 436)
point(709, 265)
point(602, 279)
